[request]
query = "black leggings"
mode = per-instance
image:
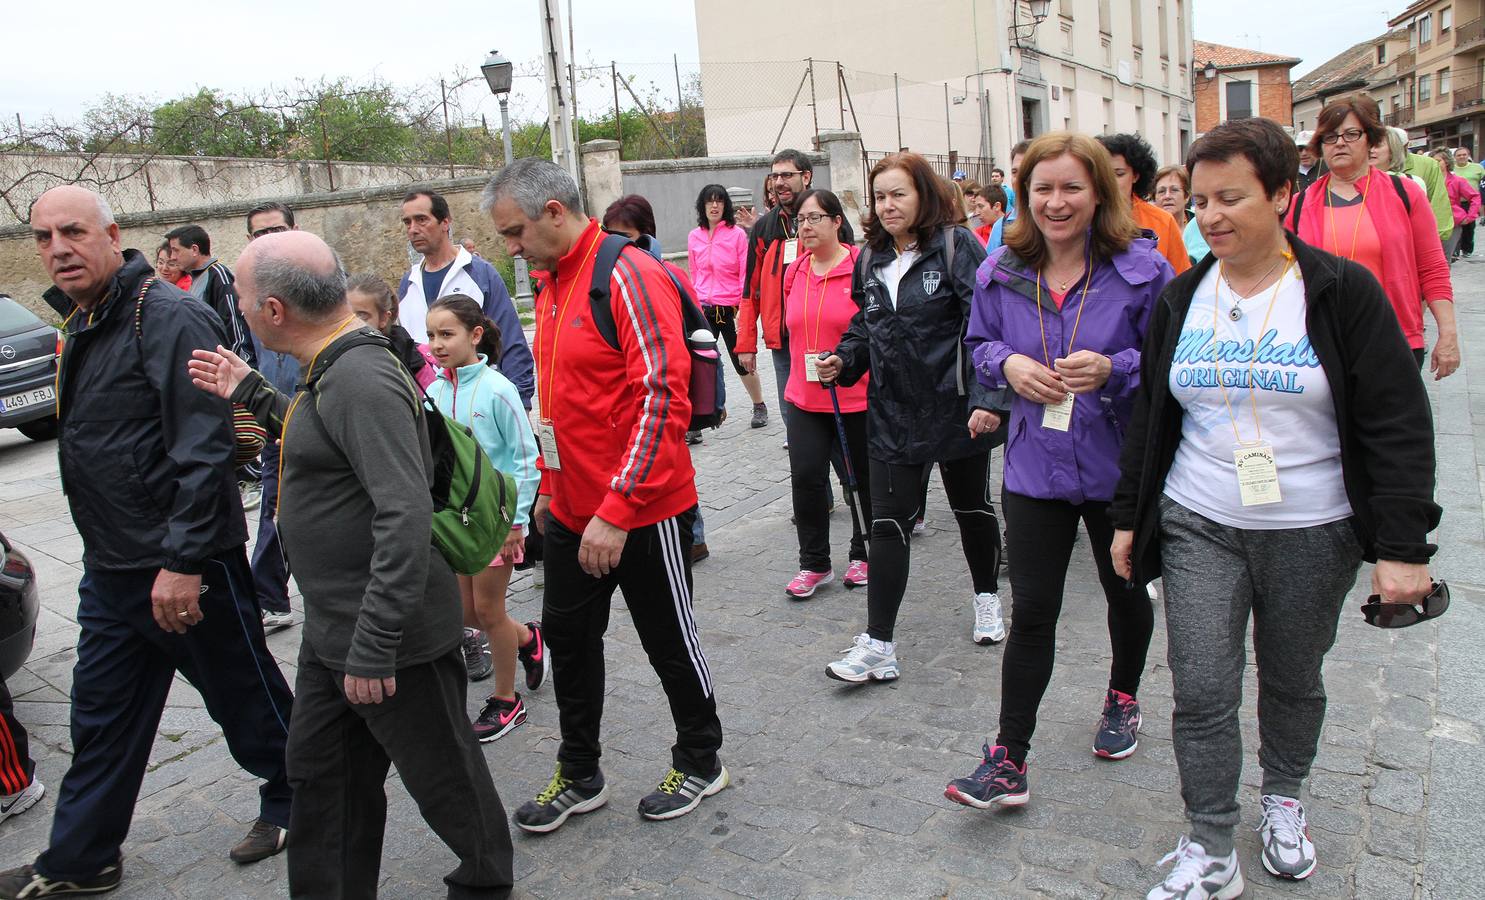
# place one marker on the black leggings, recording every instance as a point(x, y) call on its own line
point(1043, 532)
point(813, 445)
point(725, 320)
point(894, 503)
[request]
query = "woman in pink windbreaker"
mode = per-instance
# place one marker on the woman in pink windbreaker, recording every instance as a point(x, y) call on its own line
point(818, 307)
point(1464, 200)
point(717, 252)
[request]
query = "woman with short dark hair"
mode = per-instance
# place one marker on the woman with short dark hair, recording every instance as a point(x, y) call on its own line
point(717, 256)
point(1382, 221)
point(1059, 318)
point(1279, 437)
point(1135, 167)
point(913, 284)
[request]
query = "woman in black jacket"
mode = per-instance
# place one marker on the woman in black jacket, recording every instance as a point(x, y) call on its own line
point(914, 282)
point(1280, 436)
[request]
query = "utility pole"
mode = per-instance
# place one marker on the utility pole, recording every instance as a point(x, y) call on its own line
point(559, 105)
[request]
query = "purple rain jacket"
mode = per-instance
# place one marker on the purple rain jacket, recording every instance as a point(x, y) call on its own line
point(1082, 463)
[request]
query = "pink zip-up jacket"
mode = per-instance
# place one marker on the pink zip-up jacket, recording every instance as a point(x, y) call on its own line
point(719, 264)
point(1461, 190)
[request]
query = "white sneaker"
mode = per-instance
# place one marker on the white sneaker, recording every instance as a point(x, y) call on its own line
point(252, 494)
point(277, 621)
point(989, 624)
point(1198, 876)
point(867, 660)
point(21, 800)
point(1287, 851)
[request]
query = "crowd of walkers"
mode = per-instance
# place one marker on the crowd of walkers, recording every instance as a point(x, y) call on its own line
point(1213, 369)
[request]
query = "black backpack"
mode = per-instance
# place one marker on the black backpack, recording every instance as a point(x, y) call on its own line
point(1397, 185)
point(704, 357)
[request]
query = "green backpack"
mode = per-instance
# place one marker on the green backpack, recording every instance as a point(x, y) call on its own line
point(474, 506)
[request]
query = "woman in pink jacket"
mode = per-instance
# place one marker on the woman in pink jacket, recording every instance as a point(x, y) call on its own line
point(718, 259)
point(818, 308)
point(1464, 201)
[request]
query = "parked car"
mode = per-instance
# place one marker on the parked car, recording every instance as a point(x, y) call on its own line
point(29, 352)
point(18, 609)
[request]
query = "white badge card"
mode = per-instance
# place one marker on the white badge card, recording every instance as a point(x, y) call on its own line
point(1257, 473)
point(811, 374)
point(791, 250)
point(546, 436)
point(1058, 416)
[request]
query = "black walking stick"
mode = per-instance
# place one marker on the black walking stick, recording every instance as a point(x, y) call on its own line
point(845, 452)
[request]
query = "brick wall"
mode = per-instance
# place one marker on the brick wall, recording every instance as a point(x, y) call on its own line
point(1208, 101)
point(1275, 95)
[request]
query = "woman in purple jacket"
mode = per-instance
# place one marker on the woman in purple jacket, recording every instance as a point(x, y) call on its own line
point(1059, 316)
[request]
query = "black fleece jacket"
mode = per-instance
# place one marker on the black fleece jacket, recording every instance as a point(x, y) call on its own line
point(1381, 411)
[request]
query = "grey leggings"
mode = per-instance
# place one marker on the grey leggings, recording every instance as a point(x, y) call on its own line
point(1294, 582)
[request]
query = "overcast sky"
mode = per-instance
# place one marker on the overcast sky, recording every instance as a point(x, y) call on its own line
point(58, 61)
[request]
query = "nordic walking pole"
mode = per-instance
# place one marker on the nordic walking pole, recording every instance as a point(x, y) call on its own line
point(845, 452)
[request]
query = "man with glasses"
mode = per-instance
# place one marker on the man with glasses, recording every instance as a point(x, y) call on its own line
point(772, 246)
point(270, 565)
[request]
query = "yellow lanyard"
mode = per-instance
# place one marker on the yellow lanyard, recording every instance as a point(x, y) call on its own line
point(1082, 302)
point(1330, 220)
point(548, 400)
point(812, 346)
point(283, 432)
point(1217, 355)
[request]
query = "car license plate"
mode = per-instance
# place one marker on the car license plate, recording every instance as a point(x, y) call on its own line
point(44, 394)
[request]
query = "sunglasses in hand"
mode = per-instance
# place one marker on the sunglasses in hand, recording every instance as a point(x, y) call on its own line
point(1383, 614)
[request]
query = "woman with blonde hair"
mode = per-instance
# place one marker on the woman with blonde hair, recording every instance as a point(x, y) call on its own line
point(1059, 318)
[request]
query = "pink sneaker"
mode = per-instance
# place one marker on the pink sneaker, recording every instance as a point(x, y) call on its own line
point(805, 582)
point(855, 574)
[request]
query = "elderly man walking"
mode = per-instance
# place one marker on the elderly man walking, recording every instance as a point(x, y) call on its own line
point(381, 678)
point(146, 464)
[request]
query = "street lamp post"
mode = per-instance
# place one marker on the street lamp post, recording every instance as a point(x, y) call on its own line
point(499, 74)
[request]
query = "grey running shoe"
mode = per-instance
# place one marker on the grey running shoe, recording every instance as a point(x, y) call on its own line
point(561, 798)
point(21, 800)
point(1287, 851)
point(477, 655)
point(760, 415)
point(1198, 875)
point(680, 793)
point(276, 621)
point(867, 660)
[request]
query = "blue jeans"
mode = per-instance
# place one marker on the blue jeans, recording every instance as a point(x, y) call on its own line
point(270, 566)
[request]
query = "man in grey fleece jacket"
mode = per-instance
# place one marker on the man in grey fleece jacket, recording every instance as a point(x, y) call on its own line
point(381, 677)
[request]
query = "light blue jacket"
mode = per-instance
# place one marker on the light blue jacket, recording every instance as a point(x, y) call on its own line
point(481, 398)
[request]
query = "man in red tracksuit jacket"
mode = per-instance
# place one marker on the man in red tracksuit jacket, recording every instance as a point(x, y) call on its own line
point(618, 492)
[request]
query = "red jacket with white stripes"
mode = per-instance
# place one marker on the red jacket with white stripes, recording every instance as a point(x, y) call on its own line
point(620, 416)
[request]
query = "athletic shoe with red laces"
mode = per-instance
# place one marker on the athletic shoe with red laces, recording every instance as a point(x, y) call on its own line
point(804, 584)
point(995, 782)
point(855, 574)
point(533, 657)
point(1119, 727)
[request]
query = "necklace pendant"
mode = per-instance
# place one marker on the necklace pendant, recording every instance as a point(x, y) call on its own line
point(1234, 314)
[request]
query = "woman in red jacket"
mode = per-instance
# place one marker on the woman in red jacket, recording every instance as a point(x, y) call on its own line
point(818, 308)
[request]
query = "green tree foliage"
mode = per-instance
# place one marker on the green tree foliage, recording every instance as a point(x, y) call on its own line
point(210, 124)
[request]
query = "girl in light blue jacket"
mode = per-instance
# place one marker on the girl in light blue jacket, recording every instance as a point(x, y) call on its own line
point(470, 390)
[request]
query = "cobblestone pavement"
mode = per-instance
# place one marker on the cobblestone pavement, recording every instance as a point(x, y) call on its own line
point(837, 790)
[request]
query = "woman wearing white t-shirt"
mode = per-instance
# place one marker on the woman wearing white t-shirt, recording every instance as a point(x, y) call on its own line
point(1281, 435)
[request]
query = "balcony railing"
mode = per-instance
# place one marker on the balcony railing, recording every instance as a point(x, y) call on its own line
point(1469, 34)
point(1401, 117)
point(1467, 95)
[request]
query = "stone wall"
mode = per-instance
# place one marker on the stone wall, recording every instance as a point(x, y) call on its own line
point(139, 184)
point(363, 227)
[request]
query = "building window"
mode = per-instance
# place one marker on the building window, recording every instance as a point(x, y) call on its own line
point(1381, 54)
point(1425, 29)
point(1105, 17)
point(1136, 27)
point(1164, 30)
point(1446, 20)
point(1425, 89)
point(1239, 100)
point(1444, 81)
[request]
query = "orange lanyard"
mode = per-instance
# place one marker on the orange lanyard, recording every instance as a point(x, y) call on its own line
point(548, 399)
point(1217, 356)
point(1082, 302)
point(1330, 220)
point(283, 431)
point(812, 346)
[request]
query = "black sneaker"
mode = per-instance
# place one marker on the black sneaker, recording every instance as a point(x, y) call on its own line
point(680, 793)
point(693, 437)
point(499, 718)
point(562, 797)
point(477, 655)
point(534, 657)
point(760, 415)
point(27, 882)
point(263, 840)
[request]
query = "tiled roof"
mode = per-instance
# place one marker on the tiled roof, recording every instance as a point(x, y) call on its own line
point(1236, 57)
point(1358, 63)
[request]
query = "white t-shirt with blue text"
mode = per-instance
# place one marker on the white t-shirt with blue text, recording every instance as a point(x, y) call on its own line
point(1295, 409)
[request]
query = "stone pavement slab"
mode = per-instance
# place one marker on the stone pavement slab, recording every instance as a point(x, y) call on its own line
point(837, 790)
